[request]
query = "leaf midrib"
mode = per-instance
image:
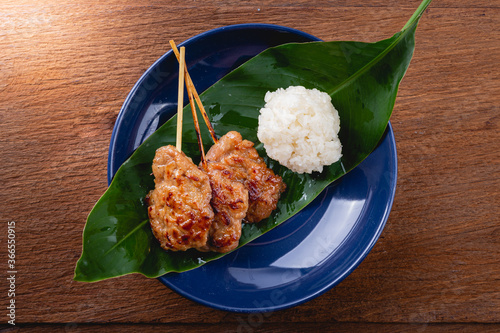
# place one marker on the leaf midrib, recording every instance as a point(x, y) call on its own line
point(140, 225)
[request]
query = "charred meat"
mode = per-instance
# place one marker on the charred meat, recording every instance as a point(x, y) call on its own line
point(244, 165)
point(179, 207)
point(230, 205)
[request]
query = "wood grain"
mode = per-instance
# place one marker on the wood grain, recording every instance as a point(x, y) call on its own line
point(258, 326)
point(66, 68)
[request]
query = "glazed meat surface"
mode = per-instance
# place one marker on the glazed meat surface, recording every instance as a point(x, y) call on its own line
point(179, 207)
point(247, 167)
point(230, 205)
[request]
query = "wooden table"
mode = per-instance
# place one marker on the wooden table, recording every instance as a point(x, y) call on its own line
point(65, 70)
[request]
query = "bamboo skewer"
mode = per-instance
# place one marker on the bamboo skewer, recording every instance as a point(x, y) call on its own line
point(180, 100)
point(197, 127)
point(190, 85)
point(183, 73)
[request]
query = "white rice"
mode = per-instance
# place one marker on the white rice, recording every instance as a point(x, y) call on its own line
point(299, 129)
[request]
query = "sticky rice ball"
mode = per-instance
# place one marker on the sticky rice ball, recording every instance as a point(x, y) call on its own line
point(299, 128)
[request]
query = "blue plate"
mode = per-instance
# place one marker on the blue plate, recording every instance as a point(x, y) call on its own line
point(306, 255)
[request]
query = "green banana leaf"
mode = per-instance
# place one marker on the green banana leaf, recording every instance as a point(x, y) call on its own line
point(361, 78)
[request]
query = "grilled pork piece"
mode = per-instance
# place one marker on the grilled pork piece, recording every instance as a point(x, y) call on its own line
point(230, 205)
point(179, 207)
point(264, 187)
point(242, 187)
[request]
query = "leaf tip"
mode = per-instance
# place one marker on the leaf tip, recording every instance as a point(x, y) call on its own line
point(417, 14)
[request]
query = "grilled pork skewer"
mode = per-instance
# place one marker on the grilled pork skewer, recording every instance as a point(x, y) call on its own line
point(179, 209)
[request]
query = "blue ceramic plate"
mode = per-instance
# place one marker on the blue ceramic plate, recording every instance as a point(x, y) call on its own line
point(306, 255)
